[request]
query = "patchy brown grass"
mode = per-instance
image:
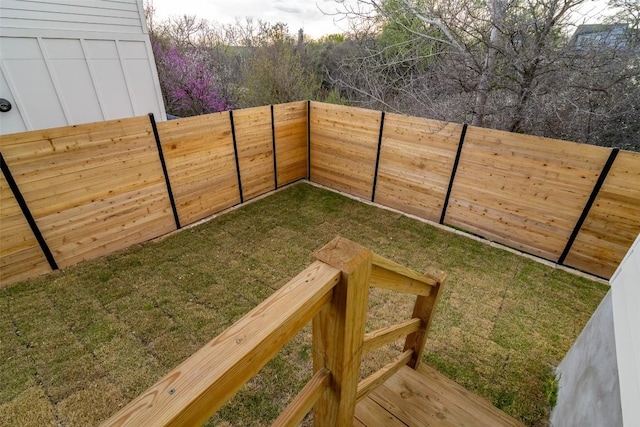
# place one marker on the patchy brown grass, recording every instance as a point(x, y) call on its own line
point(78, 344)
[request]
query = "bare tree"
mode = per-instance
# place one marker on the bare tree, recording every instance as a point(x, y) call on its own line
point(484, 47)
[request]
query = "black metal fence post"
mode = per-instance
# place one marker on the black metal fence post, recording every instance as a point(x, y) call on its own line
point(164, 170)
point(273, 141)
point(27, 213)
point(375, 175)
point(235, 151)
point(589, 204)
point(453, 173)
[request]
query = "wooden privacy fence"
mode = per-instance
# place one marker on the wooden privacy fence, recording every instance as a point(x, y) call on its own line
point(79, 192)
point(574, 204)
point(333, 292)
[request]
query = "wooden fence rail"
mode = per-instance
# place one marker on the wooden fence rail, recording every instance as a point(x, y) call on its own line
point(333, 291)
point(75, 193)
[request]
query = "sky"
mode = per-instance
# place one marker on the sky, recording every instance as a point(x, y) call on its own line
point(297, 14)
point(305, 14)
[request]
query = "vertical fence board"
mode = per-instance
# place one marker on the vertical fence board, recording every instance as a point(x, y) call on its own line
point(20, 253)
point(415, 164)
point(344, 145)
point(524, 191)
point(290, 121)
point(255, 150)
point(613, 222)
point(92, 188)
point(201, 166)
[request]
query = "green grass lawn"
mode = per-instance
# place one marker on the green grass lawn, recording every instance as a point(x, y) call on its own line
point(78, 344)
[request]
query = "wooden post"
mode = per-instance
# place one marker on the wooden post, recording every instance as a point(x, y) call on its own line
point(423, 309)
point(338, 331)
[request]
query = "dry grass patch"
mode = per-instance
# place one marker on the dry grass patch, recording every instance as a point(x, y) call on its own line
point(78, 344)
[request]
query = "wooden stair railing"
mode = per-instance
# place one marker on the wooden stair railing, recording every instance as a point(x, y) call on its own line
point(390, 275)
point(333, 291)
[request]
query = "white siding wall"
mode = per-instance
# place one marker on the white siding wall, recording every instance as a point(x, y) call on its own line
point(65, 62)
point(117, 16)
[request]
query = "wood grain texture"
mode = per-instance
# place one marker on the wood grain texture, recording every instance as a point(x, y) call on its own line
point(20, 253)
point(369, 413)
point(380, 337)
point(423, 309)
point(426, 397)
point(255, 150)
point(523, 191)
point(416, 159)
point(613, 221)
point(390, 275)
point(290, 122)
point(92, 188)
point(201, 165)
point(338, 331)
point(193, 391)
point(344, 145)
point(370, 383)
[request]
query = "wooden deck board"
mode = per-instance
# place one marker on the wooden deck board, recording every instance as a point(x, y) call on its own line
point(427, 398)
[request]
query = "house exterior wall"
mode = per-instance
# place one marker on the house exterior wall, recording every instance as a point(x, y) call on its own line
point(65, 63)
point(625, 284)
point(600, 375)
point(117, 16)
point(589, 390)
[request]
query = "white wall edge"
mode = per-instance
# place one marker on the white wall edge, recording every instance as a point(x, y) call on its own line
point(625, 288)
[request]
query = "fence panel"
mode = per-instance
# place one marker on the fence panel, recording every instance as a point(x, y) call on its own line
point(523, 191)
point(255, 150)
point(290, 122)
point(613, 222)
point(416, 158)
point(92, 188)
point(20, 253)
point(344, 147)
point(200, 164)
point(96, 188)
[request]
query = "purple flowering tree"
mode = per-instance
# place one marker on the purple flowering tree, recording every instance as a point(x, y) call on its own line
point(188, 86)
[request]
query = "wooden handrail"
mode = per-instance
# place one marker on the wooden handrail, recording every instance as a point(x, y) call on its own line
point(333, 291)
point(192, 392)
point(390, 275)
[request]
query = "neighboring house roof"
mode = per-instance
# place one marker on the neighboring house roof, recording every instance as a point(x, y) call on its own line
point(601, 36)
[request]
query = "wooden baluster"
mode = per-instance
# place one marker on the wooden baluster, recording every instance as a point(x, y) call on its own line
point(338, 331)
point(423, 309)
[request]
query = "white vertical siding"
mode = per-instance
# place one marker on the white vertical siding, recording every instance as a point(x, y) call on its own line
point(13, 119)
point(59, 81)
point(135, 57)
point(71, 15)
point(30, 81)
point(109, 78)
point(68, 68)
point(66, 62)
